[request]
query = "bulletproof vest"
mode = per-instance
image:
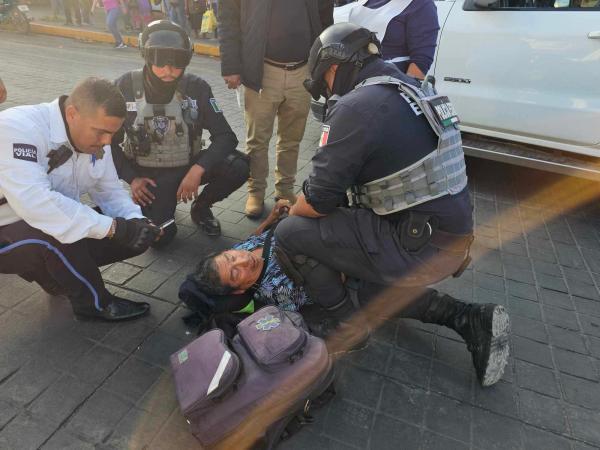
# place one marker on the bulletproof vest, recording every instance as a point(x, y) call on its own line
point(162, 135)
point(441, 172)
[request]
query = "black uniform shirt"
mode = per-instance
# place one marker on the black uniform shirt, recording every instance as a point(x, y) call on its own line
point(370, 133)
point(210, 117)
point(289, 34)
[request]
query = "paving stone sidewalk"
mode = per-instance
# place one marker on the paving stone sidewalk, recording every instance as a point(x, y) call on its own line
point(67, 384)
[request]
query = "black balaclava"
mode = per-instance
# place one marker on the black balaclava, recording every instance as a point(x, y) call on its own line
point(156, 90)
point(346, 74)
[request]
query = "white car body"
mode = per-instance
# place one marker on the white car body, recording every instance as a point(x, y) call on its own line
point(525, 75)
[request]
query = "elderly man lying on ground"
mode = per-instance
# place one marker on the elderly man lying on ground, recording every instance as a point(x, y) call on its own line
point(233, 279)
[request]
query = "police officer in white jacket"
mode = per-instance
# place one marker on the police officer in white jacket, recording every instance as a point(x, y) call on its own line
point(50, 155)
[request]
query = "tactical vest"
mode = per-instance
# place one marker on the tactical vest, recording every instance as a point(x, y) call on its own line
point(162, 135)
point(441, 172)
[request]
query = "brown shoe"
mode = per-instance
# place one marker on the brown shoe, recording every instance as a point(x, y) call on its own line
point(255, 206)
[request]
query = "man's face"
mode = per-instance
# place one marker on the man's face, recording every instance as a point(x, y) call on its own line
point(167, 73)
point(91, 130)
point(329, 78)
point(239, 269)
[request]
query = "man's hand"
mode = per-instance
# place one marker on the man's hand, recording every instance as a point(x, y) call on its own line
point(140, 192)
point(136, 234)
point(188, 188)
point(233, 81)
point(281, 207)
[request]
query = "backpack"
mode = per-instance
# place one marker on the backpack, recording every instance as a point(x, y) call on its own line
point(256, 389)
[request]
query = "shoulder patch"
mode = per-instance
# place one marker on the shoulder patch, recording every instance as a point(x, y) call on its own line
point(131, 106)
point(26, 152)
point(324, 135)
point(215, 106)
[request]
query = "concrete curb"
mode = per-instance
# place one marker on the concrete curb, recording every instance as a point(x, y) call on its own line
point(99, 36)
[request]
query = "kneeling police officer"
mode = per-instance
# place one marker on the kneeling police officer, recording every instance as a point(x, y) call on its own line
point(50, 155)
point(387, 199)
point(162, 156)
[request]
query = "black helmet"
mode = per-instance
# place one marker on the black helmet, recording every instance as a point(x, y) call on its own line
point(340, 43)
point(166, 43)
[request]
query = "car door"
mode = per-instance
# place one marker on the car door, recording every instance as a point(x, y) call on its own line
point(524, 68)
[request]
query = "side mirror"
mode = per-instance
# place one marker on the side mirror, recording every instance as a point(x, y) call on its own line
point(474, 5)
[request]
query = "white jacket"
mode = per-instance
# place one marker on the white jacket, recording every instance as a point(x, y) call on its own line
point(51, 202)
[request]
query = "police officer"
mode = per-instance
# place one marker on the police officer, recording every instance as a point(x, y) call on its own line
point(50, 155)
point(162, 156)
point(390, 148)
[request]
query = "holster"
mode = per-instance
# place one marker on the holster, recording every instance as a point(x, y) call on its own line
point(416, 231)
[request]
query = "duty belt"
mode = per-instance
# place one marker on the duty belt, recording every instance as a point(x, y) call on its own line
point(286, 66)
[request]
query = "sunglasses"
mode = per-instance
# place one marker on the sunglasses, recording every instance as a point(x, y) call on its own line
point(161, 57)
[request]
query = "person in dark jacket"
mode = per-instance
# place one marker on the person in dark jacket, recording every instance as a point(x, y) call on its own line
point(264, 46)
point(391, 150)
point(162, 156)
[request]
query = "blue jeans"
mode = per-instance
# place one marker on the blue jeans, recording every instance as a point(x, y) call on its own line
point(112, 16)
point(177, 13)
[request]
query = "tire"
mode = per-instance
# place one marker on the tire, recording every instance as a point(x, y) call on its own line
point(19, 21)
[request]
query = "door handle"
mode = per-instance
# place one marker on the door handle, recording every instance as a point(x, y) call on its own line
point(594, 35)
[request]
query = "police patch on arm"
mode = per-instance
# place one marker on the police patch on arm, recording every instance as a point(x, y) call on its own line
point(215, 106)
point(26, 152)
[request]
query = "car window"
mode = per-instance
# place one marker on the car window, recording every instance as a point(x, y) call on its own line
point(546, 4)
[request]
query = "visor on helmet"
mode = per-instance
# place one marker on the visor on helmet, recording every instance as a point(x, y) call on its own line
point(161, 57)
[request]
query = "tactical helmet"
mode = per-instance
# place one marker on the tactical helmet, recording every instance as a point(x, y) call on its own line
point(340, 43)
point(165, 43)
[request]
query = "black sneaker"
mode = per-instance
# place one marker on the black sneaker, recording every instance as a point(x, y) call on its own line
point(204, 218)
point(486, 333)
point(118, 309)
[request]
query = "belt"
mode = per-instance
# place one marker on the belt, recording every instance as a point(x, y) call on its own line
point(286, 66)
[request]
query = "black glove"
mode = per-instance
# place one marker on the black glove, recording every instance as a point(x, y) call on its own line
point(136, 234)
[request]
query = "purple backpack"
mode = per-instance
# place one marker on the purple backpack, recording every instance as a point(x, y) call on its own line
point(256, 389)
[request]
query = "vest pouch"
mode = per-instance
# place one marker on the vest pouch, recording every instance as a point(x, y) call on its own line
point(272, 338)
point(205, 371)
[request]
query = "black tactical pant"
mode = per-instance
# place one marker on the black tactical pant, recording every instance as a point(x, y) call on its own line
point(367, 247)
point(222, 180)
point(71, 269)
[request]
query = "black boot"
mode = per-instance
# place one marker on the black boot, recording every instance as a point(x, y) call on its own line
point(343, 331)
point(204, 218)
point(484, 327)
point(117, 310)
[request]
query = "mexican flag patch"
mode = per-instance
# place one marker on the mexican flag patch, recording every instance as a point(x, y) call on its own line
point(215, 106)
point(324, 136)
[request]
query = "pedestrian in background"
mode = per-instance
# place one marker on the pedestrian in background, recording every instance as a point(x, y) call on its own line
point(70, 7)
point(214, 4)
point(56, 6)
point(270, 59)
point(195, 10)
point(113, 10)
point(177, 13)
point(407, 29)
